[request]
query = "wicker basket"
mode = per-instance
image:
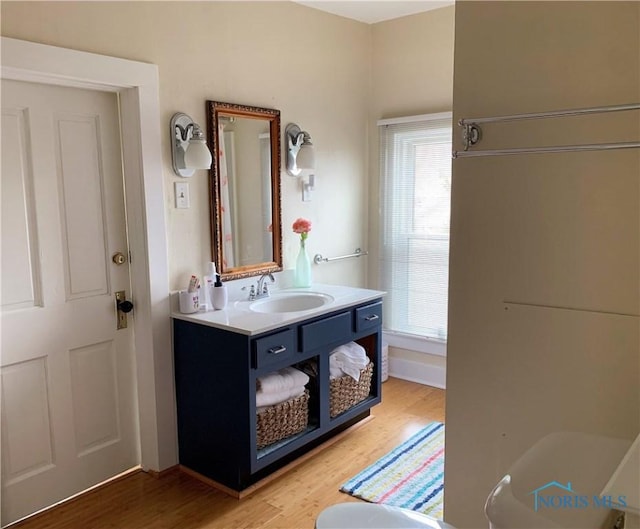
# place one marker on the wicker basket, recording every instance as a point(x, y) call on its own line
point(346, 392)
point(282, 420)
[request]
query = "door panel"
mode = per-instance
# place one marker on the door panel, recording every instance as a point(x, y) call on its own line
point(94, 390)
point(82, 206)
point(26, 425)
point(19, 241)
point(68, 387)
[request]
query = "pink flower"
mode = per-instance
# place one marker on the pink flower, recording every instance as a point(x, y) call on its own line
point(302, 226)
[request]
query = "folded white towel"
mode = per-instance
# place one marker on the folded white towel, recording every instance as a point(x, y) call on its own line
point(353, 352)
point(348, 359)
point(276, 397)
point(286, 378)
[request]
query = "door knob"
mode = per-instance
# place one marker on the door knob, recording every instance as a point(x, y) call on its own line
point(119, 258)
point(123, 306)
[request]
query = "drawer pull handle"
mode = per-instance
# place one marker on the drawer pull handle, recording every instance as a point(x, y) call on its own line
point(373, 317)
point(277, 350)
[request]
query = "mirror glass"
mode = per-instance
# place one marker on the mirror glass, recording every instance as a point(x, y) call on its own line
point(245, 189)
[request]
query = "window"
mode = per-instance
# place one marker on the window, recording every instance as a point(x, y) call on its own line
point(415, 170)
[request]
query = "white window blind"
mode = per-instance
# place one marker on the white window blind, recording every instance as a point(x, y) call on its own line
point(415, 167)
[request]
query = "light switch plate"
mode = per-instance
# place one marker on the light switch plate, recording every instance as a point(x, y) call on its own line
point(182, 195)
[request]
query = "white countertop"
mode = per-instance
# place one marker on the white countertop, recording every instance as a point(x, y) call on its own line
point(237, 317)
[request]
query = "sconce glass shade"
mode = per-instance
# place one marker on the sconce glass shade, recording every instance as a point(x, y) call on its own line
point(306, 158)
point(189, 150)
point(300, 150)
point(197, 155)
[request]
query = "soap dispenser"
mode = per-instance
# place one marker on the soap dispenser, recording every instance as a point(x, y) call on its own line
point(207, 287)
point(219, 295)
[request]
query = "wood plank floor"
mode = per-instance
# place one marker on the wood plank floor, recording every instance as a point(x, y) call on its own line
point(293, 500)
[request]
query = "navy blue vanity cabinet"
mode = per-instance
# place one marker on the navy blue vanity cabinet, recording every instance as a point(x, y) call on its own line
point(216, 371)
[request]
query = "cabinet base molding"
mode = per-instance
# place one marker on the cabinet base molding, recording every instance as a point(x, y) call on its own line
point(162, 473)
point(268, 479)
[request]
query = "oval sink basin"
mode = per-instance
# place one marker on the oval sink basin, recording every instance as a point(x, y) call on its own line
point(291, 302)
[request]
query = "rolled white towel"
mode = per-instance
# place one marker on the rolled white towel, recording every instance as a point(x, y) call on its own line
point(337, 368)
point(276, 397)
point(348, 359)
point(283, 379)
point(353, 352)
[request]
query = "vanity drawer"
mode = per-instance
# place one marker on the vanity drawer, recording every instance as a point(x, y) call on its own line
point(274, 349)
point(369, 316)
point(333, 329)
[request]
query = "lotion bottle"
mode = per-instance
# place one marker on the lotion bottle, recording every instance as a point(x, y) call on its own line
point(207, 288)
point(219, 295)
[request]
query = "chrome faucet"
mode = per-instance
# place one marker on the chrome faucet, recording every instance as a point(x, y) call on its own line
point(263, 288)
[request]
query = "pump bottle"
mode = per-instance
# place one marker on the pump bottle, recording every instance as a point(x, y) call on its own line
point(207, 287)
point(219, 295)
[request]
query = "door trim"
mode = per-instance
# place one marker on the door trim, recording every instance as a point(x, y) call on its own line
point(138, 87)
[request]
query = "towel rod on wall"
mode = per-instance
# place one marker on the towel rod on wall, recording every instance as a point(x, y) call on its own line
point(319, 259)
point(534, 150)
point(472, 133)
point(552, 114)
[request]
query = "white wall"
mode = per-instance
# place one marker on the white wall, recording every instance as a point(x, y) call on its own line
point(313, 66)
point(412, 73)
point(549, 231)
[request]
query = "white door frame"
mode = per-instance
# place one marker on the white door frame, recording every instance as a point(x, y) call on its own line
point(138, 86)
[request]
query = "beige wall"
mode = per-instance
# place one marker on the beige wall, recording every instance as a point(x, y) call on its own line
point(313, 66)
point(543, 231)
point(412, 73)
point(413, 65)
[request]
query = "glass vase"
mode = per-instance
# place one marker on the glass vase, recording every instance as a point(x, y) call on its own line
point(303, 268)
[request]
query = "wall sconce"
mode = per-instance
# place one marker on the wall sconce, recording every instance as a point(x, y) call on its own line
point(189, 149)
point(300, 151)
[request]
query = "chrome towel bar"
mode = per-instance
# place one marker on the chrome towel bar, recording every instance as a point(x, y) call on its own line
point(537, 150)
point(551, 114)
point(472, 133)
point(319, 259)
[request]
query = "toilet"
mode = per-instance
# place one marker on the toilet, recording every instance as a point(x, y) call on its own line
point(374, 516)
point(567, 456)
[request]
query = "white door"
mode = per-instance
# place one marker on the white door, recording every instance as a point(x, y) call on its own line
point(69, 407)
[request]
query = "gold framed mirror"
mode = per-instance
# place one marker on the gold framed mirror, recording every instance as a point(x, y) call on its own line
point(244, 189)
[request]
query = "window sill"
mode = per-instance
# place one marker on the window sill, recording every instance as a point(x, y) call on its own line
point(419, 344)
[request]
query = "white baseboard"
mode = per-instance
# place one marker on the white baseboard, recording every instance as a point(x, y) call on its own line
point(426, 374)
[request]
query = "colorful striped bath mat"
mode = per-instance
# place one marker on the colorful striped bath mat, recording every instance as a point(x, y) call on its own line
point(410, 476)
